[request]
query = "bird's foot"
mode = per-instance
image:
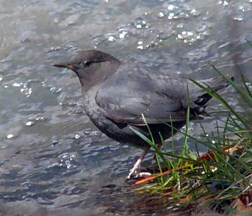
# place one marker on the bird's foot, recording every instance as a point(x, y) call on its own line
point(135, 172)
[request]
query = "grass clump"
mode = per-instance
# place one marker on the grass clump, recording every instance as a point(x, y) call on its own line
point(219, 180)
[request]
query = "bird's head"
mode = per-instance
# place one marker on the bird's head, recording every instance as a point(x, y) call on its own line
point(91, 66)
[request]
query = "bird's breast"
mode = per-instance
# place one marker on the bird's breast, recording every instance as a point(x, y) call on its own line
point(93, 111)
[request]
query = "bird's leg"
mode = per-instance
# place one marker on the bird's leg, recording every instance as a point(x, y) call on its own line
point(135, 171)
point(159, 145)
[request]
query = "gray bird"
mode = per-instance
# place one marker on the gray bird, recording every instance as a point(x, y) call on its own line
point(118, 95)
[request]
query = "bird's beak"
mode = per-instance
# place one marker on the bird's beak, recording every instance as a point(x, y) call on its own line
point(68, 66)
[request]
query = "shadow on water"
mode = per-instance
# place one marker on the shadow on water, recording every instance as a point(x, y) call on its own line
point(53, 161)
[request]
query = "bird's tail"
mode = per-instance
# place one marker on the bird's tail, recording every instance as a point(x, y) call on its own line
point(215, 84)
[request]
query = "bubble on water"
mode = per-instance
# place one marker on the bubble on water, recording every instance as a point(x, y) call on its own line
point(238, 18)
point(140, 45)
point(44, 84)
point(223, 3)
point(194, 12)
point(52, 49)
point(241, 8)
point(69, 160)
point(17, 84)
point(1, 78)
point(40, 118)
point(68, 164)
point(26, 91)
point(180, 36)
point(161, 14)
point(190, 33)
point(180, 25)
point(193, 36)
point(171, 7)
point(171, 15)
point(24, 87)
point(30, 123)
point(178, 11)
point(122, 34)
point(34, 119)
point(9, 136)
point(77, 136)
point(55, 90)
point(111, 38)
point(140, 23)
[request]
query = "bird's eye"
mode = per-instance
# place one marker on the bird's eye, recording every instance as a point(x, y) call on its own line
point(88, 63)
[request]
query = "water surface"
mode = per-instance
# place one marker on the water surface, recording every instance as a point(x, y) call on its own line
point(53, 161)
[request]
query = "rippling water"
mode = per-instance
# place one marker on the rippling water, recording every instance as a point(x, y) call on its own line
point(53, 161)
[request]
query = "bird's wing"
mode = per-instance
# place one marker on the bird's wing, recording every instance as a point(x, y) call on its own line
point(127, 99)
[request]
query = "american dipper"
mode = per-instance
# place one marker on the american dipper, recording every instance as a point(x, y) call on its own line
point(119, 96)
